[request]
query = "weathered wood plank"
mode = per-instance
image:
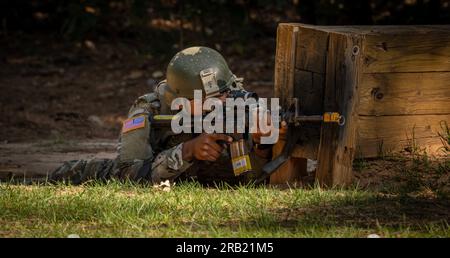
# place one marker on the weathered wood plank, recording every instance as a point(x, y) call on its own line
point(396, 78)
point(307, 150)
point(311, 53)
point(309, 89)
point(285, 62)
point(386, 48)
point(372, 29)
point(338, 144)
point(423, 50)
point(377, 29)
point(404, 93)
point(396, 127)
point(378, 134)
point(284, 88)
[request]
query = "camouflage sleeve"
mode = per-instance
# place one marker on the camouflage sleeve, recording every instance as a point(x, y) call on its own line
point(169, 164)
point(80, 171)
point(134, 146)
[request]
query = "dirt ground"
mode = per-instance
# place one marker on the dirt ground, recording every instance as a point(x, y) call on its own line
point(37, 159)
point(83, 90)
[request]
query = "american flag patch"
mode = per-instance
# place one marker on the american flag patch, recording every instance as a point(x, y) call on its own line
point(133, 123)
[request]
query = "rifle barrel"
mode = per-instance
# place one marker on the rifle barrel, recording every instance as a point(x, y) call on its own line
point(315, 118)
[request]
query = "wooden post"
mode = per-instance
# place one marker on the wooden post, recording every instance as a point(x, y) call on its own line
point(338, 144)
point(285, 62)
point(299, 72)
point(294, 168)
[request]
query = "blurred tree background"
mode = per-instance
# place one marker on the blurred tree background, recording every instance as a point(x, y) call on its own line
point(178, 23)
point(72, 68)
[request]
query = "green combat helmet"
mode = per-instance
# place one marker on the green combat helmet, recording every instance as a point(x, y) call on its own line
point(198, 68)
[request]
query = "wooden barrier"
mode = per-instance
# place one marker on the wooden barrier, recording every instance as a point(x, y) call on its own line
point(392, 83)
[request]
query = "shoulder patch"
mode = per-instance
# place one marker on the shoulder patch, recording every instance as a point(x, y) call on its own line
point(133, 123)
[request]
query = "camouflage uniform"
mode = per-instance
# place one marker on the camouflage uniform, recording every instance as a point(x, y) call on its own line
point(153, 154)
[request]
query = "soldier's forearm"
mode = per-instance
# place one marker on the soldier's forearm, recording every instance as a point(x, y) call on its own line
point(169, 164)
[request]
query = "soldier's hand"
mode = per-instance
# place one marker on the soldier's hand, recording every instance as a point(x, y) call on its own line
point(282, 131)
point(205, 147)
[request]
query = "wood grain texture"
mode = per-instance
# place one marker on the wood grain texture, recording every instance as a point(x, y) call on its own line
point(378, 134)
point(421, 50)
point(291, 171)
point(285, 62)
point(374, 30)
point(311, 53)
point(309, 89)
point(284, 88)
point(404, 93)
point(338, 144)
point(307, 150)
point(379, 147)
point(398, 78)
point(310, 64)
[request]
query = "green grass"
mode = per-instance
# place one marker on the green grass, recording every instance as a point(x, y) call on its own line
point(189, 210)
